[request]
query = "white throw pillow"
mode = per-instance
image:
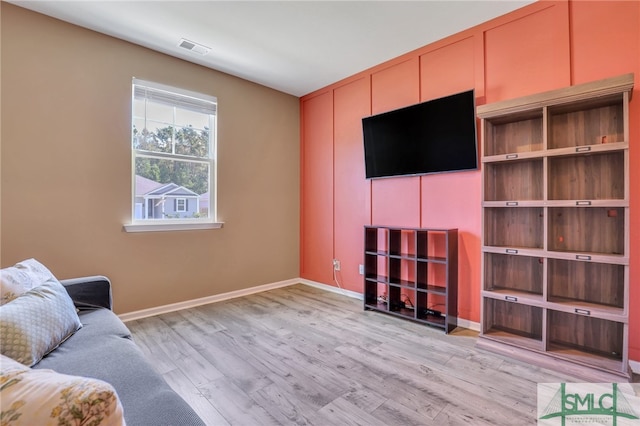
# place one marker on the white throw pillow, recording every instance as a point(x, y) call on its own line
point(22, 277)
point(44, 397)
point(36, 322)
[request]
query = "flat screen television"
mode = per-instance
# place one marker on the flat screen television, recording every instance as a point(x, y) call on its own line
point(431, 137)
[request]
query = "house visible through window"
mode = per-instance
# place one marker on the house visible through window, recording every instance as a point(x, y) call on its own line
point(173, 154)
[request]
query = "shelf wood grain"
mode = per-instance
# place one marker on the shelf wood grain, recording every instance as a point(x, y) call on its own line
point(555, 237)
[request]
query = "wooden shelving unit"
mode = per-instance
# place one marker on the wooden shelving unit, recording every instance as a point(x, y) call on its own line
point(412, 273)
point(556, 224)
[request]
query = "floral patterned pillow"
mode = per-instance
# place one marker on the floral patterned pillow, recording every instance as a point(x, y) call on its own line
point(44, 397)
point(22, 277)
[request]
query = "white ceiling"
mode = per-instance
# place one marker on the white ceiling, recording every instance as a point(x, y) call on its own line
point(292, 46)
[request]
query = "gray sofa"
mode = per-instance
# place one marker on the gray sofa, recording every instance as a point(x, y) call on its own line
point(103, 349)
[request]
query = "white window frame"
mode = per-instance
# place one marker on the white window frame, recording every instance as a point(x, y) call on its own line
point(184, 205)
point(184, 99)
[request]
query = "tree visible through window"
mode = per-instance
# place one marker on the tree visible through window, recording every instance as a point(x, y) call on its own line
point(173, 149)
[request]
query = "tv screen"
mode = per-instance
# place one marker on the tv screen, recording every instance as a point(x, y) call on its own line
point(431, 137)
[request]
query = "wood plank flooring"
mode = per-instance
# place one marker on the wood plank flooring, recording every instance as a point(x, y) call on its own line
point(304, 356)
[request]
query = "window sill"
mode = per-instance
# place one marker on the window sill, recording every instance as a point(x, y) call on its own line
point(163, 227)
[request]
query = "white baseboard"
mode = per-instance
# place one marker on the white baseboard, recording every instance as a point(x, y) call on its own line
point(130, 316)
point(321, 286)
point(635, 366)
point(471, 325)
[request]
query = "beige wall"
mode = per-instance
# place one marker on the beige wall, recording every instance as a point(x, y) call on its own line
point(66, 164)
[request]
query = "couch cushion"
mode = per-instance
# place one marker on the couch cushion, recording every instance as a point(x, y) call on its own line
point(44, 397)
point(103, 349)
point(36, 322)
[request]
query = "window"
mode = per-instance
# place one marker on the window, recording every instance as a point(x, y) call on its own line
point(173, 145)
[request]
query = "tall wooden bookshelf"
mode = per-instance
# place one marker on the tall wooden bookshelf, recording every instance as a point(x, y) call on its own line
point(555, 243)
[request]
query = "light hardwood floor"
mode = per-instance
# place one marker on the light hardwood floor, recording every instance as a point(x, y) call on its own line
point(300, 355)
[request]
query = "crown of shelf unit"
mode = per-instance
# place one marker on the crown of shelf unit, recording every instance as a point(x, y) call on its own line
point(555, 277)
point(410, 272)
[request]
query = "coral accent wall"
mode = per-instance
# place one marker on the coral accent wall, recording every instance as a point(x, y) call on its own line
point(451, 200)
point(317, 164)
point(352, 201)
point(543, 46)
point(528, 55)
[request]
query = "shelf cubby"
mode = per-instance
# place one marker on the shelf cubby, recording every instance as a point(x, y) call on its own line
point(371, 240)
point(394, 299)
point(431, 276)
point(587, 229)
point(514, 227)
point(401, 271)
point(429, 301)
point(401, 243)
point(375, 294)
point(513, 318)
point(431, 246)
point(422, 245)
point(371, 265)
point(579, 282)
point(513, 273)
point(514, 180)
point(598, 176)
point(514, 134)
point(590, 122)
point(595, 336)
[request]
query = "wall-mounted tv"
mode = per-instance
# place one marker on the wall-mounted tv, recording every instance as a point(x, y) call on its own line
point(431, 137)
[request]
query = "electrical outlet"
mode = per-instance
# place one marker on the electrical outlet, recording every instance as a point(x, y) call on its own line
point(361, 269)
point(336, 265)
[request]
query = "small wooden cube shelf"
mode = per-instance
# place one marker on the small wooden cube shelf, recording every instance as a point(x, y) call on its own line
point(555, 241)
point(412, 273)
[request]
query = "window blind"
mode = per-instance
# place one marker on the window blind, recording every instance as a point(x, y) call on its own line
point(180, 98)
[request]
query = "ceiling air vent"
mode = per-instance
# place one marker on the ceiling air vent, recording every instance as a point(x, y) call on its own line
point(194, 47)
